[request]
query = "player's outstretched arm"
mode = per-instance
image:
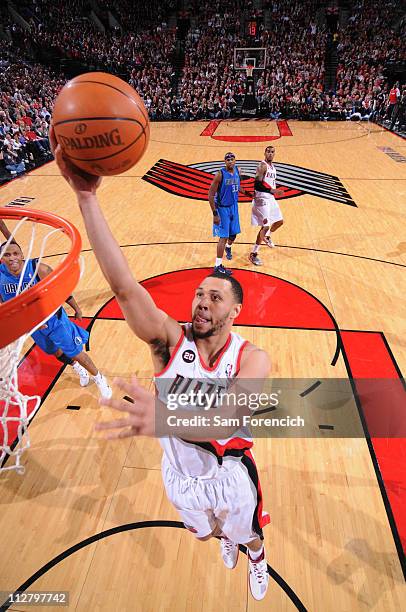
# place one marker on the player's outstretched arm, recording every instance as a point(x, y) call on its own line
point(4, 230)
point(141, 313)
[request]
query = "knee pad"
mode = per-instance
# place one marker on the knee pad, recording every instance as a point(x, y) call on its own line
point(65, 359)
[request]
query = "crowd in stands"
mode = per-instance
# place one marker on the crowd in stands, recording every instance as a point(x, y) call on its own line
point(130, 14)
point(80, 39)
point(365, 46)
point(293, 83)
point(143, 46)
point(27, 93)
point(142, 54)
point(212, 88)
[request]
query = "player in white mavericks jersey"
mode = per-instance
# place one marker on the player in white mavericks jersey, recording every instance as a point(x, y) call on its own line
point(213, 483)
point(265, 209)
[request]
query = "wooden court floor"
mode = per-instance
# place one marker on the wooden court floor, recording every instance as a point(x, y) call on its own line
point(91, 517)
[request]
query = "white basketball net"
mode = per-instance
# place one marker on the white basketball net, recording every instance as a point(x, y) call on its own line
point(15, 407)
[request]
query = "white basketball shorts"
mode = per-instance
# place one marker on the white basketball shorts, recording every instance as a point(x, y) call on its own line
point(233, 502)
point(265, 210)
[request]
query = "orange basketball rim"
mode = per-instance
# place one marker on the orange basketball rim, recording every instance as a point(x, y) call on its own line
point(34, 305)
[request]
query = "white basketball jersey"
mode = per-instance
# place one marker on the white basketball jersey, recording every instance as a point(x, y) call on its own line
point(269, 179)
point(185, 370)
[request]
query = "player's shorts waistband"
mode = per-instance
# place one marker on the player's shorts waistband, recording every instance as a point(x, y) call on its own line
point(263, 194)
point(222, 474)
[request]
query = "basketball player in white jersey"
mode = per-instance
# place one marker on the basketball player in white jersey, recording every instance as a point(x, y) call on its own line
point(265, 210)
point(213, 484)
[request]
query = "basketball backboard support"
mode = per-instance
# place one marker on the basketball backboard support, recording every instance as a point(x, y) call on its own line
point(249, 56)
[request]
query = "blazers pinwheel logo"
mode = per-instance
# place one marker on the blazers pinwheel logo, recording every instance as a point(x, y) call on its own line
point(194, 181)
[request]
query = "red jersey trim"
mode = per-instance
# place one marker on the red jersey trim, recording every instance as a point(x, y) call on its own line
point(242, 347)
point(233, 444)
point(172, 357)
point(223, 350)
point(262, 516)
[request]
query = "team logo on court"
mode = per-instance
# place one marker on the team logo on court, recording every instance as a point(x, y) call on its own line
point(194, 181)
point(188, 356)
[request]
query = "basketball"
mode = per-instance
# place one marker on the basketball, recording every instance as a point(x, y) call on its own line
point(101, 123)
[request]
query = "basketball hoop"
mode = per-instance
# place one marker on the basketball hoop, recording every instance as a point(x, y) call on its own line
point(21, 316)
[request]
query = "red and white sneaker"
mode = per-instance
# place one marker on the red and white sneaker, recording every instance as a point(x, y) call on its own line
point(268, 242)
point(258, 576)
point(229, 552)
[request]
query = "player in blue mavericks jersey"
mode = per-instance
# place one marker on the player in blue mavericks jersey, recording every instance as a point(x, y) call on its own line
point(58, 336)
point(223, 199)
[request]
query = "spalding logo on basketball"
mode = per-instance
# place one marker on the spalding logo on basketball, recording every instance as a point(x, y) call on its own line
point(98, 141)
point(194, 181)
point(101, 123)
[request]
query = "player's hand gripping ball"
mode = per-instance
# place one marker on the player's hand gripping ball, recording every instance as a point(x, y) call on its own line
point(101, 123)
